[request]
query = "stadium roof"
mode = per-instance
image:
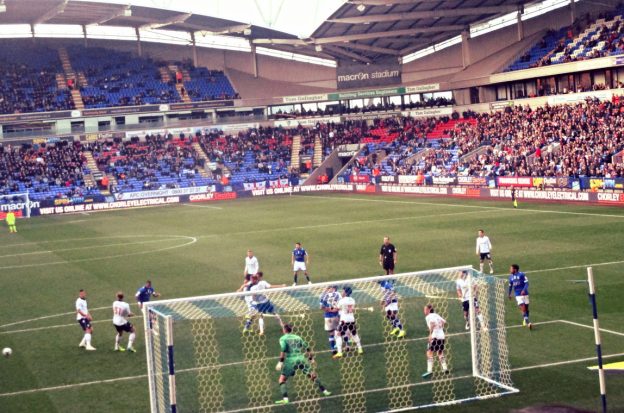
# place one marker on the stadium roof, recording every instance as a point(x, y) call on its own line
point(359, 30)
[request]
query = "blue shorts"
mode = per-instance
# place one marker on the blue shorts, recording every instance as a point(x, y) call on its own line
point(265, 308)
point(84, 323)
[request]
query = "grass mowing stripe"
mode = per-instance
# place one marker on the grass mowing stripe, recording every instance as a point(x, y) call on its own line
point(545, 211)
point(67, 386)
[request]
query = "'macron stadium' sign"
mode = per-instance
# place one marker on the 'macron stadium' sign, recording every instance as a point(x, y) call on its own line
point(379, 74)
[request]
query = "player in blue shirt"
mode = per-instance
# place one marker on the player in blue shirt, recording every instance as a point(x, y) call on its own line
point(328, 301)
point(390, 304)
point(145, 293)
point(519, 284)
point(299, 260)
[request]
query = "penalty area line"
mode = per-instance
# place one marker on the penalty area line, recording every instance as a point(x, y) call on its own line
point(143, 376)
point(544, 211)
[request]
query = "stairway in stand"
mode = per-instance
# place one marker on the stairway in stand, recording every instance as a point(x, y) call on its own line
point(295, 158)
point(318, 152)
point(71, 74)
point(172, 68)
point(205, 171)
point(92, 178)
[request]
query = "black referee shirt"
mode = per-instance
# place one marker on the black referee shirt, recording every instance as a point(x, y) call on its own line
point(387, 252)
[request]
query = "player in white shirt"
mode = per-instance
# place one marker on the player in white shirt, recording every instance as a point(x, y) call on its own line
point(121, 310)
point(252, 266)
point(346, 308)
point(260, 303)
point(435, 323)
point(463, 294)
point(84, 319)
point(484, 251)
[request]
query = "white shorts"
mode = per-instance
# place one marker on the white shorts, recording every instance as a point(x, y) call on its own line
point(522, 299)
point(331, 323)
point(392, 307)
point(299, 266)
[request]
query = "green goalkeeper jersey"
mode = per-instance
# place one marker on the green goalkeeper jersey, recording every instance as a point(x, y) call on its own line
point(293, 346)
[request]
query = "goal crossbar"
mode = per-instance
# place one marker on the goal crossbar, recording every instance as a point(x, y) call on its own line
point(204, 337)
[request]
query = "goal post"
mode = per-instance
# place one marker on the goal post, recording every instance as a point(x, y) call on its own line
point(205, 354)
point(17, 203)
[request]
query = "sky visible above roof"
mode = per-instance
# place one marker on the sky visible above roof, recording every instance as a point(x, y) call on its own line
point(296, 17)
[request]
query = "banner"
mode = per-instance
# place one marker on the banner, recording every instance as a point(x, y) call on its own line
point(501, 105)
point(431, 87)
point(305, 98)
point(248, 186)
point(363, 94)
point(579, 97)
point(553, 195)
point(524, 181)
point(428, 113)
point(142, 133)
point(379, 74)
point(212, 196)
point(422, 190)
point(123, 196)
point(411, 179)
point(103, 206)
point(359, 179)
point(293, 123)
point(443, 180)
point(472, 180)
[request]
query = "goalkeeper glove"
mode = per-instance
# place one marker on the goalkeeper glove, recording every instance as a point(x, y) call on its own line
point(278, 366)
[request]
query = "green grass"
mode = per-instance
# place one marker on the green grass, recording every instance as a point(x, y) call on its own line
point(195, 250)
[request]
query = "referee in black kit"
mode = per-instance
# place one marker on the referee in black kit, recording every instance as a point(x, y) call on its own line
point(388, 256)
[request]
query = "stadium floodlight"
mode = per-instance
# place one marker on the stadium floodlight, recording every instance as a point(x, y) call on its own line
point(127, 11)
point(361, 7)
point(210, 347)
point(2, 7)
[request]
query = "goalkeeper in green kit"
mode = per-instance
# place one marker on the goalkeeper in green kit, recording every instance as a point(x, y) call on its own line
point(10, 220)
point(295, 355)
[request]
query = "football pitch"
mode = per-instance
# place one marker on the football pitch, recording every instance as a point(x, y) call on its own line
point(199, 249)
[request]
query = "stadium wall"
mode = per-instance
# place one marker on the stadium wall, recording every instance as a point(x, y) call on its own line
point(531, 194)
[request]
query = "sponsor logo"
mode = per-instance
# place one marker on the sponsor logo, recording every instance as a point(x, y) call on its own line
point(103, 206)
point(365, 76)
point(304, 98)
point(163, 192)
point(18, 206)
point(426, 113)
point(427, 190)
point(422, 88)
point(515, 181)
point(212, 196)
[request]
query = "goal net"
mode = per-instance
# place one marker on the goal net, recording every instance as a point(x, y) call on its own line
point(205, 354)
point(19, 204)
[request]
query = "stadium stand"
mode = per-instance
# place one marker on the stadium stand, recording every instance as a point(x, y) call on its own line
point(29, 80)
point(119, 79)
point(567, 140)
point(254, 156)
point(155, 162)
point(600, 38)
point(45, 171)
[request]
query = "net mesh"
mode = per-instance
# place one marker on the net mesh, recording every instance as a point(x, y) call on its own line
point(226, 350)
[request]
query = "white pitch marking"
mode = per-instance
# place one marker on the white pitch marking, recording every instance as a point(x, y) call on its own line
point(604, 330)
point(28, 330)
point(142, 376)
point(55, 316)
point(599, 264)
point(546, 211)
point(192, 240)
point(202, 206)
point(89, 247)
